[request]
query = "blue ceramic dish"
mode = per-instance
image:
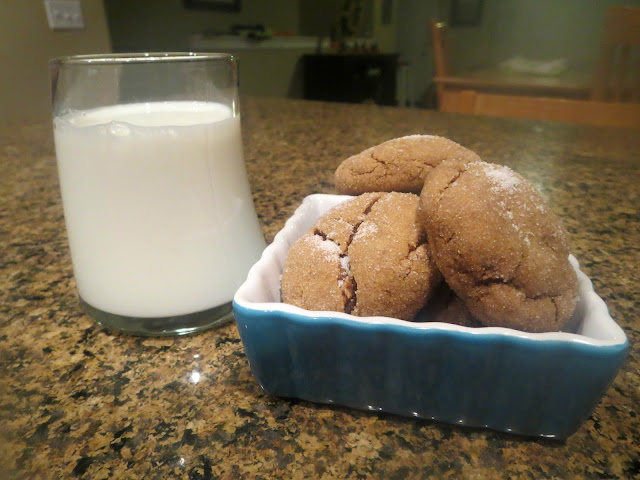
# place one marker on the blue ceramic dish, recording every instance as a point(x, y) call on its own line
point(543, 384)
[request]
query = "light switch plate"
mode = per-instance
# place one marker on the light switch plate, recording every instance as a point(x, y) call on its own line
point(64, 14)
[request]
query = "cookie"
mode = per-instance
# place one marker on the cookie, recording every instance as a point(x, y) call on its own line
point(446, 307)
point(498, 246)
point(398, 165)
point(367, 257)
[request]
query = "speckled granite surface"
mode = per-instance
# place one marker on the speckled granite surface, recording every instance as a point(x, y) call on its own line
point(79, 402)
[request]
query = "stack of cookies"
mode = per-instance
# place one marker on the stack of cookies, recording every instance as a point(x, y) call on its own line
point(434, 233)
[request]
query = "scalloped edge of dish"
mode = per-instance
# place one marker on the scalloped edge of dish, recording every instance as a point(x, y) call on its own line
point(594, 324)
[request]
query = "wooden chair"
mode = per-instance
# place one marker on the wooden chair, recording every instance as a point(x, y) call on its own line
point(441, 60)
point(585, 112)
point(618, 73)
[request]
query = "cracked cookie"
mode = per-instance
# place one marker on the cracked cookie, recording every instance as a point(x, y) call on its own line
point(398, 165)
point(366, 257)
point(498, 246)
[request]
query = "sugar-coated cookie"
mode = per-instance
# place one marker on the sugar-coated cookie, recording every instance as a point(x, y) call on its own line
point(498, 246)
point(398, 165)
point(367, 256)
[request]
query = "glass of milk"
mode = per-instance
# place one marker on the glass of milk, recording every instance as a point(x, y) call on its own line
point(160, 219)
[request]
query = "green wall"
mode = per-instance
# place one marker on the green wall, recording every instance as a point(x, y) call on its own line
point(165, 25)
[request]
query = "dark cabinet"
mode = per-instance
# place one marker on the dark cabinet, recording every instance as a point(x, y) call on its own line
point(355, 78)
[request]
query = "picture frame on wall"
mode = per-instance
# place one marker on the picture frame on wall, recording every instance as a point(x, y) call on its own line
point(221, 5)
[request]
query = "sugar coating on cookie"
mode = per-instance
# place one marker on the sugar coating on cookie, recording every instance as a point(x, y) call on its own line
point(498, 246)
point(398, 165)
point(367, 257)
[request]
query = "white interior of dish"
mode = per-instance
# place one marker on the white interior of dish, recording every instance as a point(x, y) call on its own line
point(261, 290)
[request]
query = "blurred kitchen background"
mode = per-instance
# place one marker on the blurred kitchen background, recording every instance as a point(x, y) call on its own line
point(286, 48)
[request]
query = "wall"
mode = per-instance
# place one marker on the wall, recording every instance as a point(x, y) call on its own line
point(317, 16)
point(385, 34)
point(165, 25)
point(546, 29)
point(26, 45)
point(414, 47)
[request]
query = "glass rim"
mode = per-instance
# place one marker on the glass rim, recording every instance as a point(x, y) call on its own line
point(140, 57)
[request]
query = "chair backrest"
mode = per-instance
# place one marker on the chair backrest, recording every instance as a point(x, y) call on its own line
point(618, 73)
point(586, 112)
point(441, 60)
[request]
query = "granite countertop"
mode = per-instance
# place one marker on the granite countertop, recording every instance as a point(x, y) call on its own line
point(77, 401)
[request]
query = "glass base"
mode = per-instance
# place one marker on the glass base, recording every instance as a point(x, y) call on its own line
point(162, 326)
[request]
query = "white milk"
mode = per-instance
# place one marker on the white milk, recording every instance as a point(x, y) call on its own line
point(158, 210)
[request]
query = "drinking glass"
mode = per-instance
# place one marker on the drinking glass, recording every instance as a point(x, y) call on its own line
point(159, 214)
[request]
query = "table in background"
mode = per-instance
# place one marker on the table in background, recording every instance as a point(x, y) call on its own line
point(79, 402)
point(568, 84)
